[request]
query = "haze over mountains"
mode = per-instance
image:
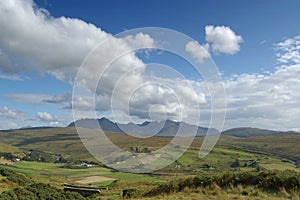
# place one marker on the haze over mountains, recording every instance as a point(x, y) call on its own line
point(166, 128)
point(169, 128)
point(249, 132)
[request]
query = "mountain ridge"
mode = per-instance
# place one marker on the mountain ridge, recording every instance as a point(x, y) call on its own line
point(166, 128)
point(169, 128)
point(251, 132)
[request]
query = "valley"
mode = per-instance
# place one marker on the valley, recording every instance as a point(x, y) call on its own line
point(39, 149)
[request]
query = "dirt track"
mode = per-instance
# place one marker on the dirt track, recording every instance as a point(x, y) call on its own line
point(5, 162)
point(92, 179)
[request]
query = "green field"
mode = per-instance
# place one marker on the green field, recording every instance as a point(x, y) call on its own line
point(45, 170)
point(220, 160)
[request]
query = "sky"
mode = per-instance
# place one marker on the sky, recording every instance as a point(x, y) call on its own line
point(254, 44)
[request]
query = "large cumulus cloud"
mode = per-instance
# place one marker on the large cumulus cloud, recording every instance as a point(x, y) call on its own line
point(32, 40)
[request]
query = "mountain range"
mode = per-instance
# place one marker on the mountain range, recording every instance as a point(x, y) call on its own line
point(166, 128)
point(169, 128)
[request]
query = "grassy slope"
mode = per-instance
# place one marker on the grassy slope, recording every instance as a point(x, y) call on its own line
point(220, 159)
point(66, 141)
point(56, 176)
point(8, 148)
point(216, 195)
point(144, 185)
point(39, 169)
point(284, 146)
point(63, 141)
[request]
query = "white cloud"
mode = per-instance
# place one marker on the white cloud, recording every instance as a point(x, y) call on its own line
point(55, 45)
point(12, 114)
point(4, 125)
point(59, 45)
point(44, 116)
point(257, 100)
point(222, 39)
point(265, 101)
point(200, 52)
point(5, 63)
point(29, 98)
point(262, 42)
point(288, 51)
point(56, 124)
point(11, 77)
point(63, 101)
point(11, 118)
point(58, 99)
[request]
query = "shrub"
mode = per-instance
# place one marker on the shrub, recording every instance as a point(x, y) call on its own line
point(20, 179)
point(33, 190)
point(269, 181)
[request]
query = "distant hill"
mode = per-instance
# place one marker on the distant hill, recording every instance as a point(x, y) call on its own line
point(66, 141)
point(8, 148)
point(63, 141)
point(106, 125)
point(283, 145)
point(166, 128)
point(169, 128)
point(250, 132)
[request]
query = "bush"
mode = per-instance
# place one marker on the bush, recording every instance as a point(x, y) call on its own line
point(20, 179)
point(9, 195)
point(7, 155)
point(235, 164)
point(273, 181)
point(33, 190)
point(39, 191)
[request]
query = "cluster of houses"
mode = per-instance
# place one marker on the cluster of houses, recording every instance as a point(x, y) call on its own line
point(13, 160)
point(84, 164)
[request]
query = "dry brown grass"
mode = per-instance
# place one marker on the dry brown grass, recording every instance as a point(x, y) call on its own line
point(5, 162)
point(92, 179)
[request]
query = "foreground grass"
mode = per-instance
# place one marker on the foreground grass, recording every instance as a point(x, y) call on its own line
point(243, 185)
point(283, 184)
point(235, 194)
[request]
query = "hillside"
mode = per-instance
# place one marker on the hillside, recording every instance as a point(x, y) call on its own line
point(32, 180)
point(284, 146)
point(250, 132)
point(63, 141)
point(8, 148)
point(66, 141)
point(246, 158)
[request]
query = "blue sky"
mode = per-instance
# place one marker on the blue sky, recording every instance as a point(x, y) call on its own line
point(260, 72)
point(256, 21)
